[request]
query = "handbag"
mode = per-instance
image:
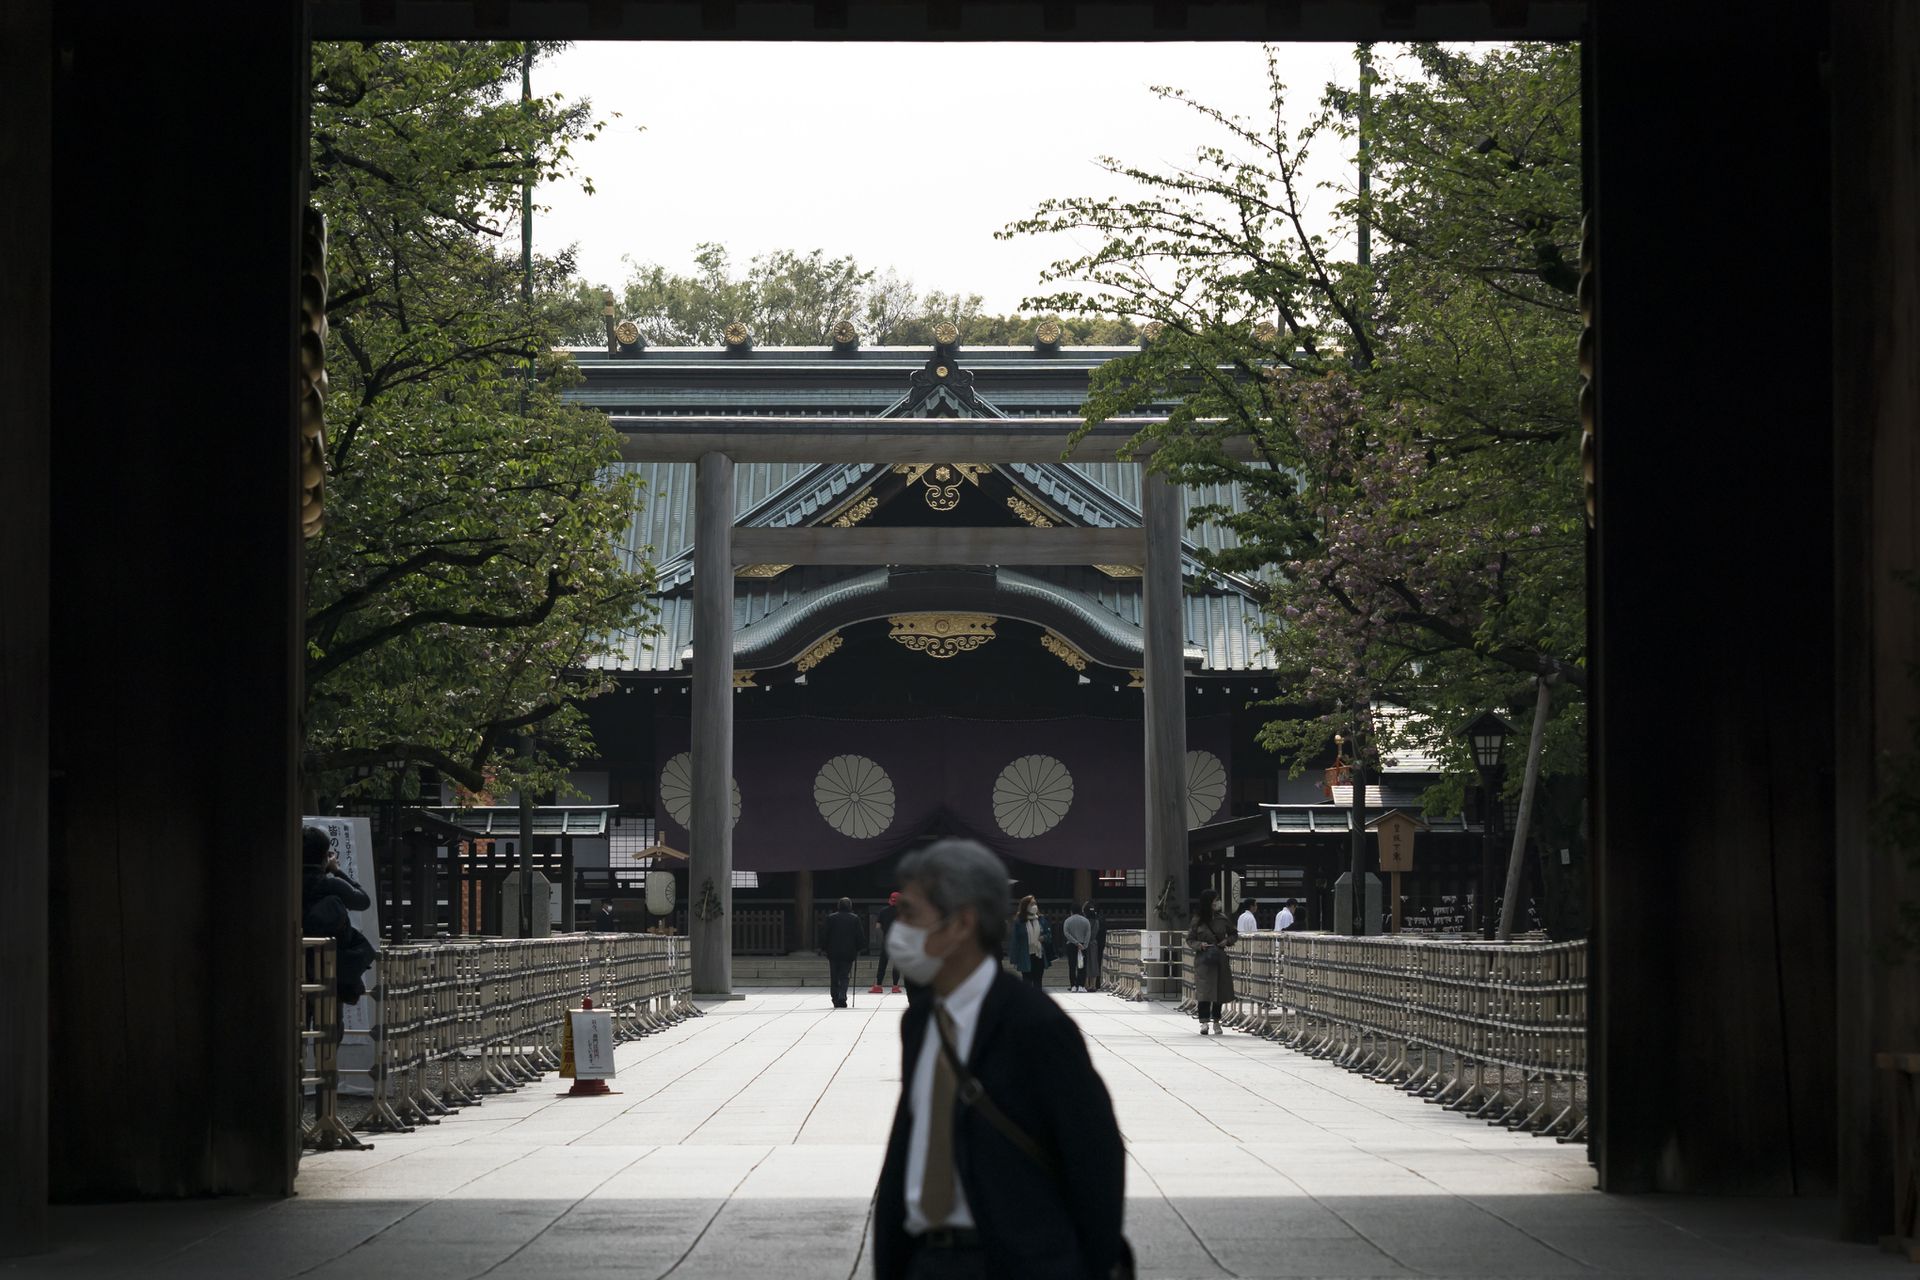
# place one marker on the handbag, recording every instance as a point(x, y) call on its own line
point(971, 1093)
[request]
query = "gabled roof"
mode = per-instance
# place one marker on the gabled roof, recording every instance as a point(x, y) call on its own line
point(1223, 623)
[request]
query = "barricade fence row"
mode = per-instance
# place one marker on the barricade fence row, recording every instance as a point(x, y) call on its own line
point(1495, 1030)
point(459, 1020)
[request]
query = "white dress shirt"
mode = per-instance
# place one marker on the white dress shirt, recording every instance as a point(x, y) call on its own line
point(963, 1007)
point(1246, 923)
point(1285, 919)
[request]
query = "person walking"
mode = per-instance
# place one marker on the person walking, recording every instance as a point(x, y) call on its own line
point(1246, 924)
point(1078, 931)
point(1004, 1159)
point(604, 921)
point(1098, 949)
point(842, 945)
point(1283, 921)
point(1032, 946)
point(1210, 934)
point(886, 926)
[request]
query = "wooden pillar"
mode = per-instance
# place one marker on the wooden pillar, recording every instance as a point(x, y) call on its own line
point(1082, 886)
point(568, 890)
point(712, 824)
point(25, 207)
point(1876, 400)
point(802, 939)
point(1166, 704)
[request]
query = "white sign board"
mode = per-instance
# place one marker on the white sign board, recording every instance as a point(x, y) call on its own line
point(592, 1044)
point(353, 845)
point(1149, 945)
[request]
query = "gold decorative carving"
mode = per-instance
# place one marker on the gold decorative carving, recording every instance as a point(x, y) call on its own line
point(1028, 512)
point(743, 680)
point(1120, 570)
point(626, 333)
point(946, 333)
point(819, 652)
point(1153, 331)
point(1266, 333)
point(1056, 644)
point(844, 332)
point(943, 479)
point(942, 635)
point(856, 511)
point(941, 371)
point(1047, 334)
point(1136, 679)
point(736, 334)
point(761, 570)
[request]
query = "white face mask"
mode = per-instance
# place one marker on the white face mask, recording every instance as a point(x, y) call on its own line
point(1033, 913)
point(907, 949)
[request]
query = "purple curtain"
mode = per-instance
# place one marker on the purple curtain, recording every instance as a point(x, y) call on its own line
point(820, 793)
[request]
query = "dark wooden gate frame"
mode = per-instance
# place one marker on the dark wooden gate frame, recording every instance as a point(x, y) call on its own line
point(1753, 168)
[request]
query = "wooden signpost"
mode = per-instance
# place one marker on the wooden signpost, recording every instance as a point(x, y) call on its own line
point(1395, 829)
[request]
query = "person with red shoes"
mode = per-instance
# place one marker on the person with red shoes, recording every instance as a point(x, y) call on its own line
point(887, 914)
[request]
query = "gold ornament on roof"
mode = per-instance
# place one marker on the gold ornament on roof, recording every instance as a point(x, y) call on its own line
point(626, 333)
point(736, 334)
point(761, 570)
point(942, 635)
point(1028, 512)
point(943, 479)
point(743, 680)
point(856, 511)
point(946, 333)
point(1119, 570)
point(819, 652)
point(1266, 331)
point(1136, 679)
point(1153, 331)
point(1057, 645)
point(845, 332)
point(1048, 333)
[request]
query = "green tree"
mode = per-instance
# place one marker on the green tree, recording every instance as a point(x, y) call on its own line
point(1413, 515)
point(790, 298)
point(470, 571)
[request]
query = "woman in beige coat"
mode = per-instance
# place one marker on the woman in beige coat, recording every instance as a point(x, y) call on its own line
point(1210, 934)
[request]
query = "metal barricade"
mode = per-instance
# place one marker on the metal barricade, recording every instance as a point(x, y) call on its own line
point(318, 1060)
point(459, 1020)
point(1493, 1030)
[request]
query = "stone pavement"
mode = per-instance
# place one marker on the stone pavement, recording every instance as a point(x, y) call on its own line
point(746, 1143)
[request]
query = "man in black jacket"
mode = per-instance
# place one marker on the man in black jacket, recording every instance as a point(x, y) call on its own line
point(1036, 1193)
point(842, 945)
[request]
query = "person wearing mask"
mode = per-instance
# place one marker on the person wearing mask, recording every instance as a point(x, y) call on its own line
point(1078, 931)
point(604, 921)
point(842, 945)
point(1031, 946)
point(1246, 924)
point(1004, 1159)
point(886, 925)
point(1284, 920)
point(1210, 934)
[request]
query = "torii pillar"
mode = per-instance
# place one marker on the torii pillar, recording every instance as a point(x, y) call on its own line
point(710, 826)
point(1164, 671)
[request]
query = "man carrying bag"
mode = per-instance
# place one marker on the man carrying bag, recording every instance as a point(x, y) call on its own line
point(1005, 1158)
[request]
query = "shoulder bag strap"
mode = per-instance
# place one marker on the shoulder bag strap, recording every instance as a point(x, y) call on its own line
point(972, 1093)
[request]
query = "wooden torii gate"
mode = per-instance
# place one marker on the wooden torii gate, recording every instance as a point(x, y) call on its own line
point(715, 444)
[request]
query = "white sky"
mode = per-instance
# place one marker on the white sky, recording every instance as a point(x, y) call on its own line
point(902, 156)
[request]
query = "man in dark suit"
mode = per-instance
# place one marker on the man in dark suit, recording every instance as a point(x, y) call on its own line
point(842, 945)
point(1038, 1196)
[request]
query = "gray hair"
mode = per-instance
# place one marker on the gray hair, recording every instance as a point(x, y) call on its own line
point(955, 874)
